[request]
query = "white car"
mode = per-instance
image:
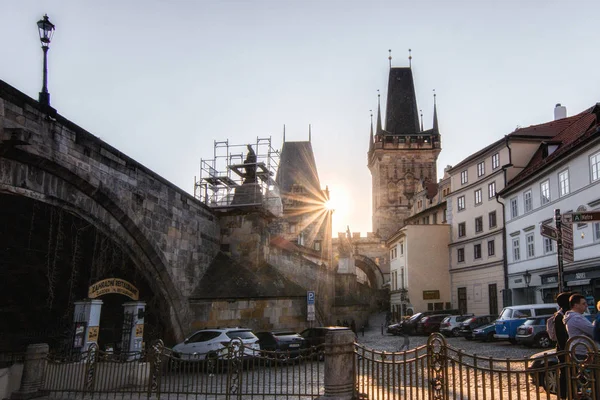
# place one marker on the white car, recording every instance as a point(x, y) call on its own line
point(212, 343)
point(450, 326)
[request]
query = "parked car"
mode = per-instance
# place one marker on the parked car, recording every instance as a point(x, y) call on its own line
point(212, 343)
point(512, 317)
point(533, 332)
point(316, 336)
point(467, 326)
point(409, 326)
point(450, 326)
point(395, 329)
point(284, 341)
point(430, 323)
point(485, 333)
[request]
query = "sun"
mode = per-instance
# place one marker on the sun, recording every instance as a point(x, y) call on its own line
point(329, 205)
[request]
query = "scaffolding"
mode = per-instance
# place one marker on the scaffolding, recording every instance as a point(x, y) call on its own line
point(236, 177)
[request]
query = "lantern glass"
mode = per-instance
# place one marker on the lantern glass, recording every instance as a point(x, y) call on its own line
point(46, 30)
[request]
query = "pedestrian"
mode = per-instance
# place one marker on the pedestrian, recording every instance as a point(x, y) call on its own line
point(597, 323)
point(562, 299)
point(353, 326)
point(577, 324)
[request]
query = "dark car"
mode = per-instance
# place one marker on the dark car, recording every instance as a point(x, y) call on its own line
point(485, 333)
point(285, 341)
point(466, 327)
point(395, 329)
point(533, 332)
point(409, 326)
point(430, 323)
point(316, 336)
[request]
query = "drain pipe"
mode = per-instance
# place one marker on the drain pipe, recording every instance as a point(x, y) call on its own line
point(507, 297)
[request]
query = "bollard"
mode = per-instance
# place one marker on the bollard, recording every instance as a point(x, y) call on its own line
point(33, 372)
point(363, 331)
point(339, 361)
point(381, 329)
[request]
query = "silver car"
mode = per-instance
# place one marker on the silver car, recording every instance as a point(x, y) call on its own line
point(533, 332)
point(212, 343)
point(450, 326)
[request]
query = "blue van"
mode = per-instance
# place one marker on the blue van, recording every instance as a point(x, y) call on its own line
point(512, 317)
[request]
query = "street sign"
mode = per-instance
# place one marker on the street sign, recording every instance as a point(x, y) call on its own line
point(567, 238)
point(549, 232)
point(310, 297)
point(310, 305)
point(579, 217)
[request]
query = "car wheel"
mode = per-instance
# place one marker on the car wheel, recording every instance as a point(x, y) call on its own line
point(512, 341)
point(490, 337)
point(543, 341)
point(455, 332)
point(548, 381)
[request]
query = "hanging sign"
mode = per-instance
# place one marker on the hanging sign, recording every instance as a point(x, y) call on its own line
point(93, 334)
point(113, 285)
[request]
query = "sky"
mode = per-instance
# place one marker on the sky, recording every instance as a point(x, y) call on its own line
point(162, 80)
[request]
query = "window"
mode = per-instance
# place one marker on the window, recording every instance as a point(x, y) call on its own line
point(545, 191)
point(462, 229)
point(492, 190)
point(401, 248)
point(530, 245)
point(516, 250)
point(426, 220)
point(435, 218)
point(528, 201)
point(495, 161)
point(479, 224)
point(445, 215)
point(493, 298)
point(481, 169)
point(460, 255)
point(548, 245)
point(461, 203)
point(514, 208)
point(596, 230)
point(464, 177)
point(492, 219)
point(477, 251)
point(478, 198)
point(491, 248)
point(563, 183)
point(317, 245)
point(595, 166)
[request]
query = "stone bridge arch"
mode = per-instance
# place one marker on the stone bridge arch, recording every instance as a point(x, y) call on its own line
point(170, 236)
point(371, 269)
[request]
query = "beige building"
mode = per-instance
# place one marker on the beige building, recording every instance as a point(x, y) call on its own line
point(419, 269)
point(478, 268)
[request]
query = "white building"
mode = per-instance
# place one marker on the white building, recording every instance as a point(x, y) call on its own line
point(564, 174)
point(478, 269)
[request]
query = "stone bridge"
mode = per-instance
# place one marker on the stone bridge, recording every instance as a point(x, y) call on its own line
point(170, 236)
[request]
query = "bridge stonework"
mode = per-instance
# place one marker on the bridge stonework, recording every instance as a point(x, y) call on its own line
point(170, 236)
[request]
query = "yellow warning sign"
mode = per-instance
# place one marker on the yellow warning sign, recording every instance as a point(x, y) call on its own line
point(139, 330)
point(93, 334)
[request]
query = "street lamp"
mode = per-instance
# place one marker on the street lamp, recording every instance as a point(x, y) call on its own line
point(46, 30)
point(527, 277)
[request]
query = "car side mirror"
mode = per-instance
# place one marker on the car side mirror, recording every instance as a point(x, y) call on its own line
point(186, 341)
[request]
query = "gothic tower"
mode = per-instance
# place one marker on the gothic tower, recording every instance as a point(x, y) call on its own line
point(402, 156)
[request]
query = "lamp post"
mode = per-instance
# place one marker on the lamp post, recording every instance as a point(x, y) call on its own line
point(46, 30)
point(527, 277)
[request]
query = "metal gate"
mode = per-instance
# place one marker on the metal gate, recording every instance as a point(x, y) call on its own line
point(159, 373)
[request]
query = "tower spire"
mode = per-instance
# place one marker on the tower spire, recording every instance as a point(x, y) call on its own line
point(371, 141)
point(390, 57)
point(435, 119)
point(379, 128)
point(409, 58)
point(309, 133)
point(283, 133)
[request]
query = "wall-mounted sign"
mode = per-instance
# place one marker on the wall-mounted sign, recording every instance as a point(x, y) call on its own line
point(113, 285)
point(93, 334)
point(139, 330)
point(431, 294)
point(79, 334)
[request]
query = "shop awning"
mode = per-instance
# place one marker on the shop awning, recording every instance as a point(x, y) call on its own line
point(548, 286)
point(579, 282)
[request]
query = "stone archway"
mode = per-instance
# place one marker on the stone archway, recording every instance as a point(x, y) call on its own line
point(32, 176)
point(371, 269)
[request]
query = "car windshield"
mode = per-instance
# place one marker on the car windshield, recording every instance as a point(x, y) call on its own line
point(417, 315)
point(506, 313)
point(285, 334)
point(241, 334)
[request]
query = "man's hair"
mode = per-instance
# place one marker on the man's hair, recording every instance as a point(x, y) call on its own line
point(562, 299)
point(575, 299)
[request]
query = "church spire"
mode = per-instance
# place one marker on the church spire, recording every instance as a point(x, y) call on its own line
point(435, 119)
point(379, 128)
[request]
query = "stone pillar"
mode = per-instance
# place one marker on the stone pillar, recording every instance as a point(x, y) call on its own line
point(133, 341)
point(33, 372)
point(87, 311)
point(339, 365)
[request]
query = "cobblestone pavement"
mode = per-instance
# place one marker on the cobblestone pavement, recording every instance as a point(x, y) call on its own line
point(500, 349)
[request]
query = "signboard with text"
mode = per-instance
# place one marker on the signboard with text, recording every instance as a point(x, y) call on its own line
point(579, 217)
point(549, 232)
point(310, 301)
point(567, 238)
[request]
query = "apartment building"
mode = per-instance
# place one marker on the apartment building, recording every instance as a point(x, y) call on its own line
point(564, 174)
point(478, 268)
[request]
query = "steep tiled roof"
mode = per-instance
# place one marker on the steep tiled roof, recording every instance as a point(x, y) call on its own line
point(227, 279)
point(297, 166)
point(570, 132)
point(401, 116)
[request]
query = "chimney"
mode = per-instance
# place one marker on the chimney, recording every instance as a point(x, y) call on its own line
point(560, 112)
